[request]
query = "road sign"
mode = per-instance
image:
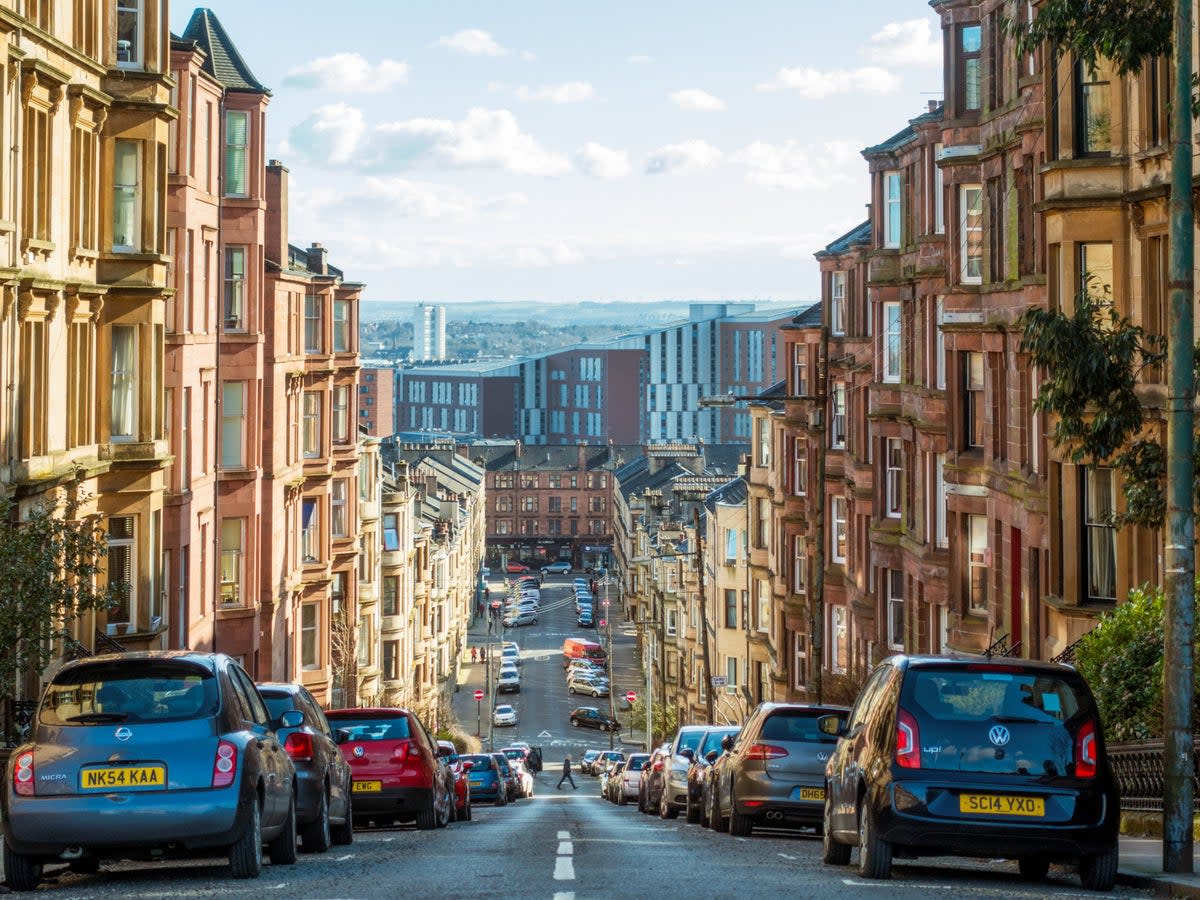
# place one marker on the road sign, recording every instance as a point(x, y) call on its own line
point(718, 681)
point(478, 694)
point(604, 603)
point(603, 622)
point(631, 696)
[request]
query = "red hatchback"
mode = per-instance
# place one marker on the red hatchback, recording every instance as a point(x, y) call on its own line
point(514, 567)
point(398, 773)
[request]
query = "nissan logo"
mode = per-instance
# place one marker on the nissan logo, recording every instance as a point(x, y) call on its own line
point(999, 735)
point(122, 734)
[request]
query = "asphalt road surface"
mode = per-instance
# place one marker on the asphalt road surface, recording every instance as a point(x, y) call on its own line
point(565, 845)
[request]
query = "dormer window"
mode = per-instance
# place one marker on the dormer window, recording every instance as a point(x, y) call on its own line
point(129, 34)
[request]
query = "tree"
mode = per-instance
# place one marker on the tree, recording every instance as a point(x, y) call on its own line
point(50, 560)
point(1128, 32)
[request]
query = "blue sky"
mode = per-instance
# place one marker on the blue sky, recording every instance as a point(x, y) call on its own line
point(553, 151)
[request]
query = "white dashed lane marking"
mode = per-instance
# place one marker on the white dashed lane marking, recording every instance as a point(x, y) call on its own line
point(564, 869)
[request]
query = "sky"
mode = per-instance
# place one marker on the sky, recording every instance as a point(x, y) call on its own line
point(560, 150)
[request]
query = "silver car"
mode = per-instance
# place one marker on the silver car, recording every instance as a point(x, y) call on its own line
point(675, 777)
point(134, 755)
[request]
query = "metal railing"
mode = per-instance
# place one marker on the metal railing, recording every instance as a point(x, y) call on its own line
point(1138, 768)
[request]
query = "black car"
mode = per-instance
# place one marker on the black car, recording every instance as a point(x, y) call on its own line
point(144, 755)
point(711, 747)
point(970, 757)
point(590, 717)
point(324, 813)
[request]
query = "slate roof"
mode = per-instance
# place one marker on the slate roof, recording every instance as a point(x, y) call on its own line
point(732, 493)
point(905, 135)
point(860, 234)
point(542, 457)
point(809, 318)
point(222, 60)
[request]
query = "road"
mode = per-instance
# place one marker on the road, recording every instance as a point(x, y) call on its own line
point(567, 845)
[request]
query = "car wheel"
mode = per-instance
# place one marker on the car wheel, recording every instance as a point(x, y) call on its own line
point(1098, 871)
point(23, 872)
point(571, 689)
point(874, 853)
point(282, 850)
point(245, 854)
point(574, 723)
point(501, 797)
point(344, 834)
point(444, 817)
point(740, 825)
point(427, 818)
point(316, 836)
point(665, 809)
point(693, 810)
point(1033, 868)
point(833, 853)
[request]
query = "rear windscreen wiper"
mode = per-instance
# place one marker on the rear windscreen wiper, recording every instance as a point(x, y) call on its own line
point(98, 718)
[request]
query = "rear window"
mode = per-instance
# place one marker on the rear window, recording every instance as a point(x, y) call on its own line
point(958, 710)
point(130, 691)
point(372, 728)
point(637, 763)
point(480, 763)
point(795, 725)
point(277, 704)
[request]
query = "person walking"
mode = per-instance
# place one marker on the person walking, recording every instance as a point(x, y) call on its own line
point(566, 775)
point(474, 654)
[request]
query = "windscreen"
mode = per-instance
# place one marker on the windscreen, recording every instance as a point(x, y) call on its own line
point(690, 740)
point(712, 740)
point(277, 703)
point(480, 762)
point(372, 728)
point(637, 763)
point(130, 691)
point(796, 725)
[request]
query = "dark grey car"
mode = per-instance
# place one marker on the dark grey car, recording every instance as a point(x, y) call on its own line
point(135, 755)
point(324, 814)
point(775, 771)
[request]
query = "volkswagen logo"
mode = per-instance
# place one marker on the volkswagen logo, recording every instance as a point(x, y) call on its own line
point(999, 735)
point(822, 757)
point(359, 751)
point(122, 734)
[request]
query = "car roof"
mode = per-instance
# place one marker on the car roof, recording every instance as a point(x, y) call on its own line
point(279, 687)
point(942, 659)
point(368, 711)
point(197, 657)
point(769, 707)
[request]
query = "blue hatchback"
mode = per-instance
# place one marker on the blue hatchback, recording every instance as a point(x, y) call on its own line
point(485, 779)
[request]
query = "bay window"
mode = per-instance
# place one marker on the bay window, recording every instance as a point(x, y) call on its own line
point(124, 413)
point(127, 196)
point(970, 233)
point(237, 127)
point(235, 289)
point(130, 25)
point(233, 425)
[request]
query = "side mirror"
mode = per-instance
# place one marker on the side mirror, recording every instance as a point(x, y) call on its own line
point(727, 742)
point(444, 752)
point(688, 753)
point(833, 725)
point(712, 756)
point(293, 718)
point(468, 765)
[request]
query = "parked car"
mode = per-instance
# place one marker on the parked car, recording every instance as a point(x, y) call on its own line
point(524, 617)
point(651, 784)
point(1012, 753)
point(509, 682)
point(775, 774)
point(504, 715)
point(706, 754)
point(485, 779)
point(324, 811)
point(399, 774)
point(462, 785)
point(595, 687)
point(675, 774)
point(602, 761)
point(609, 778)
point(508, 775)
point(590, 717)
point(631, 777)
point(584, 619)
point(518, 760)
point(712, 777)
point(514, 567)
point(557, 568)
point(510, 654)
point(180, 742)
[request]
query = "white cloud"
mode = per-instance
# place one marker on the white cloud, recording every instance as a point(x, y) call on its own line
point(473, 42)
point(602, 162)
point(816, 84)
point(552, 253)
point(905, 43)
point(422, 200)
point(486, 138)
point(693, 98)
point(684, 158)
point(639, 59)
point(797, 167)
point(568, 92)
point(348, 73)
point(331, 134)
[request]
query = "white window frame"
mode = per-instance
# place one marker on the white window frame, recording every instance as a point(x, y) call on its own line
point(939, 191)
point(941, 533)
point(233, 301)
point(799, 661)
point(893, 461)
point(313, 338)
point(233, 425)
point(1099, 502)
point(978, 562)
point(339, 507)
point(135, 55)
point(893, 341)
point(837, 431)
point(127, 196)
point(125, 397)
point(893, 219)
point(310, 633)
point(672, 625)
point(838, 534)
point(895, 608)
point(939, 350)
point(311, 425)
point(731, 671)
point(310, 532)
point(764, 442)
point(799, 466)
point(341, 329)
point(970, 222)
point(126, 558)
point(341, 414)
point(837, 303)
point(763, 617)
point(232, 150)
point(838, 628)
point(799, 565)
point(233, 555)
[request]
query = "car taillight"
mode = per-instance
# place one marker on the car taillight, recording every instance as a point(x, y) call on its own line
point(1086, 755)
point(765, 751)
point(658, 766)
point(23, 775)
point(299, 745)
point(224, 765)
point(908, 739)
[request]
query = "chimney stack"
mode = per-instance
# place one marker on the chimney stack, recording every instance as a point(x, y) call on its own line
point(276, 230)
point(318, 259)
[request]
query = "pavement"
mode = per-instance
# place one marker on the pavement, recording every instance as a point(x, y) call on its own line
point(1141, 866)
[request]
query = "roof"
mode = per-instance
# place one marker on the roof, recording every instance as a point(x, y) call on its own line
point(905, 135)
point(222, 60)
point(541, 457)
point(732, 493)
point(859, 234)
point(813, 317)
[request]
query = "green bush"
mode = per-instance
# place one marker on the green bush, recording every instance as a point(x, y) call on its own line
point(1122, 659)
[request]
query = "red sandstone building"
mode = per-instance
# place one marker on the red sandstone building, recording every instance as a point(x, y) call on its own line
point(377, 401)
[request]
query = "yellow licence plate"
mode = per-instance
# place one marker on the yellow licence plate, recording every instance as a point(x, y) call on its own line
point(812, 793)
point(1001, 805)
point(367, 787)
point(124, 777)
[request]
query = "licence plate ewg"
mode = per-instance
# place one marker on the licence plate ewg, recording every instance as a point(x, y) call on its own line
point(367, 787)
point(108, 778)
point(1001, 805)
